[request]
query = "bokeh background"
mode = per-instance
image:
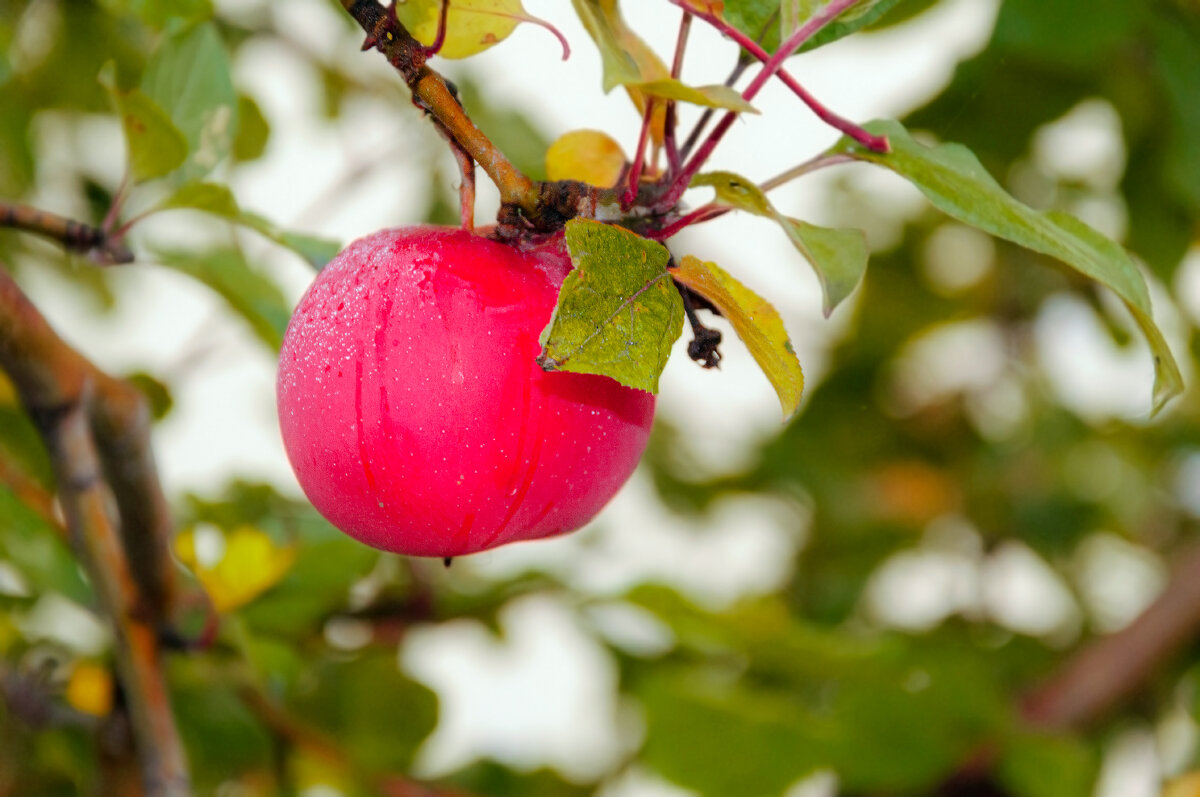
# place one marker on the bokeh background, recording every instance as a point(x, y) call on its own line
point(856, 602)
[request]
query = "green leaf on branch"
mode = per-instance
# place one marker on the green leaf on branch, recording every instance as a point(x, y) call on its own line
point(189, 77)
point(618, 311)
point(220, 201)
point(705, 96)
point(603, 23)
point(628, 61)
point(252, 132)
point(258, 300)
point(796, 13)
point(756, 322)
point(1045, 765)
point(156, 146)
point(954, 181)
point(770, 21)
point(838, 256)
point(38, 550)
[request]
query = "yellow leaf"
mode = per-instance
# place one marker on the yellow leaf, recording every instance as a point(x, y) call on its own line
point(706, 96)
point(1184, 786)
point(756, 322)
point(589, 156)
point(627, 58)
point(714, 7)
point(472, 26)
point(252, 563)
point(90, 689)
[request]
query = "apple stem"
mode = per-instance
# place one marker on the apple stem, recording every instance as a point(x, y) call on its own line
point(466, 168)
point(543, 205)
point(429, 89)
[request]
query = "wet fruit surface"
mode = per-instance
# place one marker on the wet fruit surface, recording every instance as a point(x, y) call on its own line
point(413, 411)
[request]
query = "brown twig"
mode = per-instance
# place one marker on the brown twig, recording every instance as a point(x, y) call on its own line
point(530, 199)
point(59, 389)
point(1114, 667)
point(74, 236)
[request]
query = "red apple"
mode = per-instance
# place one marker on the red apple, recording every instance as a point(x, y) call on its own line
point(414, 413)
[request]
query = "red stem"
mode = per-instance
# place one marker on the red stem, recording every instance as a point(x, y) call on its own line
point(771, 68)
point(700, 214)
point(673, 160)
point(635, 170)
point(436, 47)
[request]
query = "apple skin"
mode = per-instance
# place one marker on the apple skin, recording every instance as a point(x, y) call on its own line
point(413, 411)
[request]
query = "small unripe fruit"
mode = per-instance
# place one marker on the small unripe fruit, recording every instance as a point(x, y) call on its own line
point(413, 411)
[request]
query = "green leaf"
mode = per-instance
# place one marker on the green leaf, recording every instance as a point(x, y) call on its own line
point(952, 178)
point(1177, 61)
point(258, 300)
point(472, 26)
point(156, 146)
point(1034, 29)
point(756, 322)
point(38, 550)
point(381, 715)
point(219, 201)
point(619, 66)
point(766, 20)
point(252, 132)
point(618, 311)
point(1042, 765)
point(705, 96)
point(157, 13)
point(724, 740)
point(495, 780)
point(189, 77)
point(758, 19)
point(838, 256)
point(795, 13)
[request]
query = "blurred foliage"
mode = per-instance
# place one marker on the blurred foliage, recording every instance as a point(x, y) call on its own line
point(896, 461)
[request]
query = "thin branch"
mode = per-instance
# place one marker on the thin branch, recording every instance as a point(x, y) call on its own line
point(407, 55)
point(520, 196)
point(634, 176)
point(57, 387)
point(772, 66)
point(706, 117)
point(868, 140)
point(440, 39)
point(74, 236)
point(808, 167)
point(701, 214)
point(1114, 667)
point(674, 162)
point(466, 166)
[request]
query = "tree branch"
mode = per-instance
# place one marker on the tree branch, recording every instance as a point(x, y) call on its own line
point(1114, 667)
point(58, 388)
point(74, 236)
point(532, 199)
